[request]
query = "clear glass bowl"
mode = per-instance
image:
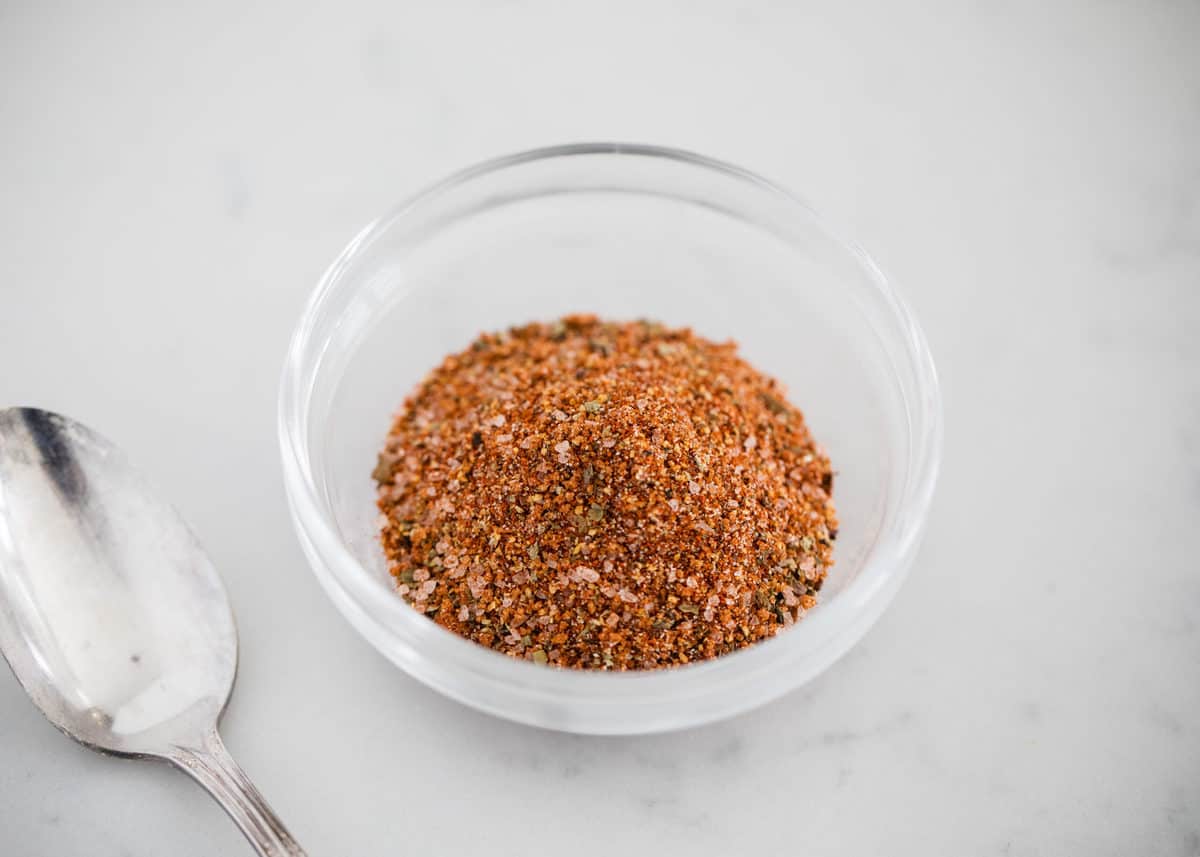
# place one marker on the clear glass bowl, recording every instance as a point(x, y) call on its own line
point(625, 232)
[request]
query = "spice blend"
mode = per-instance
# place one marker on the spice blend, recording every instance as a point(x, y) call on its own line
point(605, 496)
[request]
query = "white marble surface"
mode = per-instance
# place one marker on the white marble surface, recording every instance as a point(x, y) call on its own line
point(172, 183)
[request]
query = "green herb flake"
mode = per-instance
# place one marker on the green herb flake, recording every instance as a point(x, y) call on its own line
point(772, 403)
point(384, 470)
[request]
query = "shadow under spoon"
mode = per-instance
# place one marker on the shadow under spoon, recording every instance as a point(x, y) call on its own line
point(111, 615)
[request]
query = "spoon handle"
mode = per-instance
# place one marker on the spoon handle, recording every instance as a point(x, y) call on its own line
point(212, 767)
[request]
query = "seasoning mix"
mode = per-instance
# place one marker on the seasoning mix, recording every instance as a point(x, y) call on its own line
point(605, 495)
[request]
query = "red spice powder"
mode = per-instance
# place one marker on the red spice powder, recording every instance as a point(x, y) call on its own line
point(605, 496)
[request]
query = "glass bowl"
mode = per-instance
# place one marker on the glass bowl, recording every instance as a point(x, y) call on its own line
point(623, 231)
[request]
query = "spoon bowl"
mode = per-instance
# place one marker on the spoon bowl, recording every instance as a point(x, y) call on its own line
point(112, 616)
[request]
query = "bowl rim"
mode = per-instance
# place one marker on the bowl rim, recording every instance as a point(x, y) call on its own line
point(494, 682)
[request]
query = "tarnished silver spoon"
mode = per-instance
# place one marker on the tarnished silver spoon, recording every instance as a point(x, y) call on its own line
point(111, 615)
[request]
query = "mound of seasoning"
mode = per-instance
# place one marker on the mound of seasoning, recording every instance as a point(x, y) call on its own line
point(605, 496)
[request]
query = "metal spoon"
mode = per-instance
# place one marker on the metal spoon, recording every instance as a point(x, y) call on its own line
point(111, 615)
